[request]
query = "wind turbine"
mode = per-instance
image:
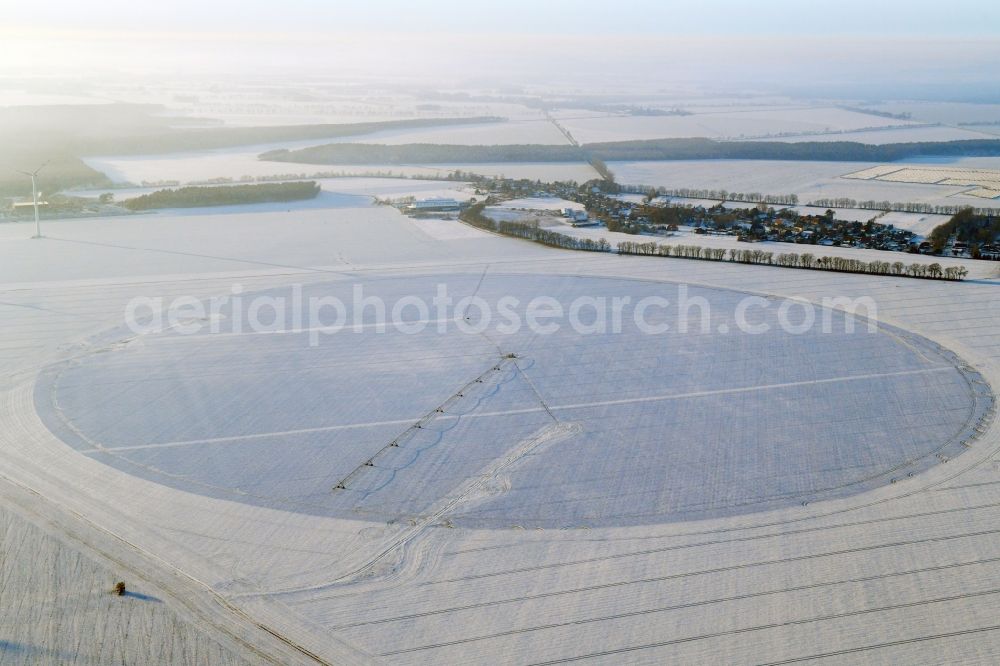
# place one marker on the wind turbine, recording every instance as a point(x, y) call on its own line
point(34, 196)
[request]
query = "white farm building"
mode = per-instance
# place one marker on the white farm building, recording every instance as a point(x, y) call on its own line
point(435, 204)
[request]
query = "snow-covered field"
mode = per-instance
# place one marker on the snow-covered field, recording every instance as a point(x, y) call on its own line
point(894, 135)
point(921, 224)
point(809, 180)
point(205, 165)
point(59, 608)
point(220, 454)
point(943, 112)
point(766, 176)
point(238, 163)
point(981, 183)
point(783, 409)
point(540, 131)
point(249, 240)
point(234, 163)
point(622, 497)
point(294, 103)
point(723, 125)
point(19, 97)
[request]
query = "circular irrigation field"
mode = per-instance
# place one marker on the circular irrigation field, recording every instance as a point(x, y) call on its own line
point(512, 425)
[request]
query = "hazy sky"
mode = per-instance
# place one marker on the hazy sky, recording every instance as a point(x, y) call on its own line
point(589, 17)
point(847, 42)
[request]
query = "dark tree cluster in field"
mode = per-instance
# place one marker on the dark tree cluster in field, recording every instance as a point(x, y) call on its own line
point(641, 150)
point(224, 195)
point(980, 232)
point(425, 153)
point(904, 115)
point(600, 167)
point(828, 151)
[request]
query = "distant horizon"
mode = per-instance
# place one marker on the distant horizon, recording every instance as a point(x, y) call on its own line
point(963, 18)
point(893, 49)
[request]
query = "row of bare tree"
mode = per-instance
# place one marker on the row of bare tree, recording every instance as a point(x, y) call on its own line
point(794, 260)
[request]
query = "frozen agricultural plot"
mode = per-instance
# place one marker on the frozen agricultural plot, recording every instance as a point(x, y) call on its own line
point(743, 124)
point(661, 428)
point(894, 134)
point(810, 181)
point(983, 183)
point(538, 131)
point(222, 455)
point(546, 366)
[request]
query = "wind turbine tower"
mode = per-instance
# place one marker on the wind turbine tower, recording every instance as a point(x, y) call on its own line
point(34, 197)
